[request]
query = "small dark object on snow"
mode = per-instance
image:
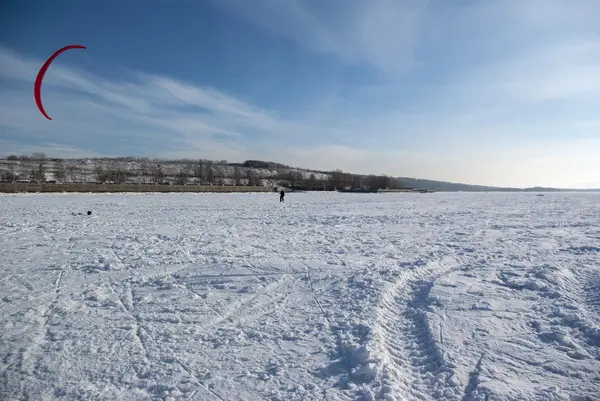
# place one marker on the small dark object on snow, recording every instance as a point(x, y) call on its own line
point(281, 195)
point(89, 212)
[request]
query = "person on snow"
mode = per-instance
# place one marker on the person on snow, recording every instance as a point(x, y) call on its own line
point(281, 195)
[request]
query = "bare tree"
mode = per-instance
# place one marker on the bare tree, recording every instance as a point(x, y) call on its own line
point(337, 179)
point(14, 176)
point(8, 176)
point(210, 173)
point(101, 175)
point(87, 171)
point(157, 174)
point(237, 176)
point(218, 175)
point(72, 171)
point(200, 171)
point(181, 177)
point(295, 178)
point(59, 170)
point(33, 175)
point(378, 181)
point(188, 170)
point(38, 173)
point(116, 173)
point(146, 171)
point(253, 178)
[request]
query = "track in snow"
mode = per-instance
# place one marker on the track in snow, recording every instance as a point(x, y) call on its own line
point(591, 290)
point(414, 368)
point(591, 303)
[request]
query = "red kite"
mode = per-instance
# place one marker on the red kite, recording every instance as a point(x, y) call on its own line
point(37, 87)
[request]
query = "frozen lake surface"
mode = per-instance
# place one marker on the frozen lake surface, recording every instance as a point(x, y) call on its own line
point(323, 297)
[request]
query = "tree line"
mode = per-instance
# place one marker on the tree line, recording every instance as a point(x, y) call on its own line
point(37, 167)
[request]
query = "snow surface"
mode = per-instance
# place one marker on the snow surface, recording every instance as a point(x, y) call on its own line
point(323, 297)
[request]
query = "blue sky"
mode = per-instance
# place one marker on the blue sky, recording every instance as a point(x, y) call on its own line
point(503, 92)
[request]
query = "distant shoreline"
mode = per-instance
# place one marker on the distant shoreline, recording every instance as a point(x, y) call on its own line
point(19, 187)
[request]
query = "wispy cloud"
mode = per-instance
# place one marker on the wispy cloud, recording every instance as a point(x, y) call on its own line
point(449, 63)
point(394, 36)
point(557, 72)
point(142, 111)
point(382, 34)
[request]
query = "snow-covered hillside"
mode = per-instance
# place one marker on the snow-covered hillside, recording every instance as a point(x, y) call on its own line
point(151, 171)
point(326, 296)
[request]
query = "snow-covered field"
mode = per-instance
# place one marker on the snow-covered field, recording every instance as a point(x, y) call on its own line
point(323, 297)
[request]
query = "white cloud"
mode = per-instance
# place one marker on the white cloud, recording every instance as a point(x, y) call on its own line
point(84, 105)
point(50, 149)
point(394, 36)
point(557, 72)
point(145, 95)
point(382, 33)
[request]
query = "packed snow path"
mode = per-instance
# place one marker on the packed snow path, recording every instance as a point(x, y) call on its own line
point(322, 297)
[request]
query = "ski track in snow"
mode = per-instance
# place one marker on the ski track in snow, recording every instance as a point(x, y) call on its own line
point(324, 297)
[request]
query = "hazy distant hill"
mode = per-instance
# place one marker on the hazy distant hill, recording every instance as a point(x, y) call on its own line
point(450, 186)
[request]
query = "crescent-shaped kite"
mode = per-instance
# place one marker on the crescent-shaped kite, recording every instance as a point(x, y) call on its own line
point(37, 87)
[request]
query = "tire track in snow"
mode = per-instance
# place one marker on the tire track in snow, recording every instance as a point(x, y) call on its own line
point(591, 292)
point(413, 366)
point(589, 287)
